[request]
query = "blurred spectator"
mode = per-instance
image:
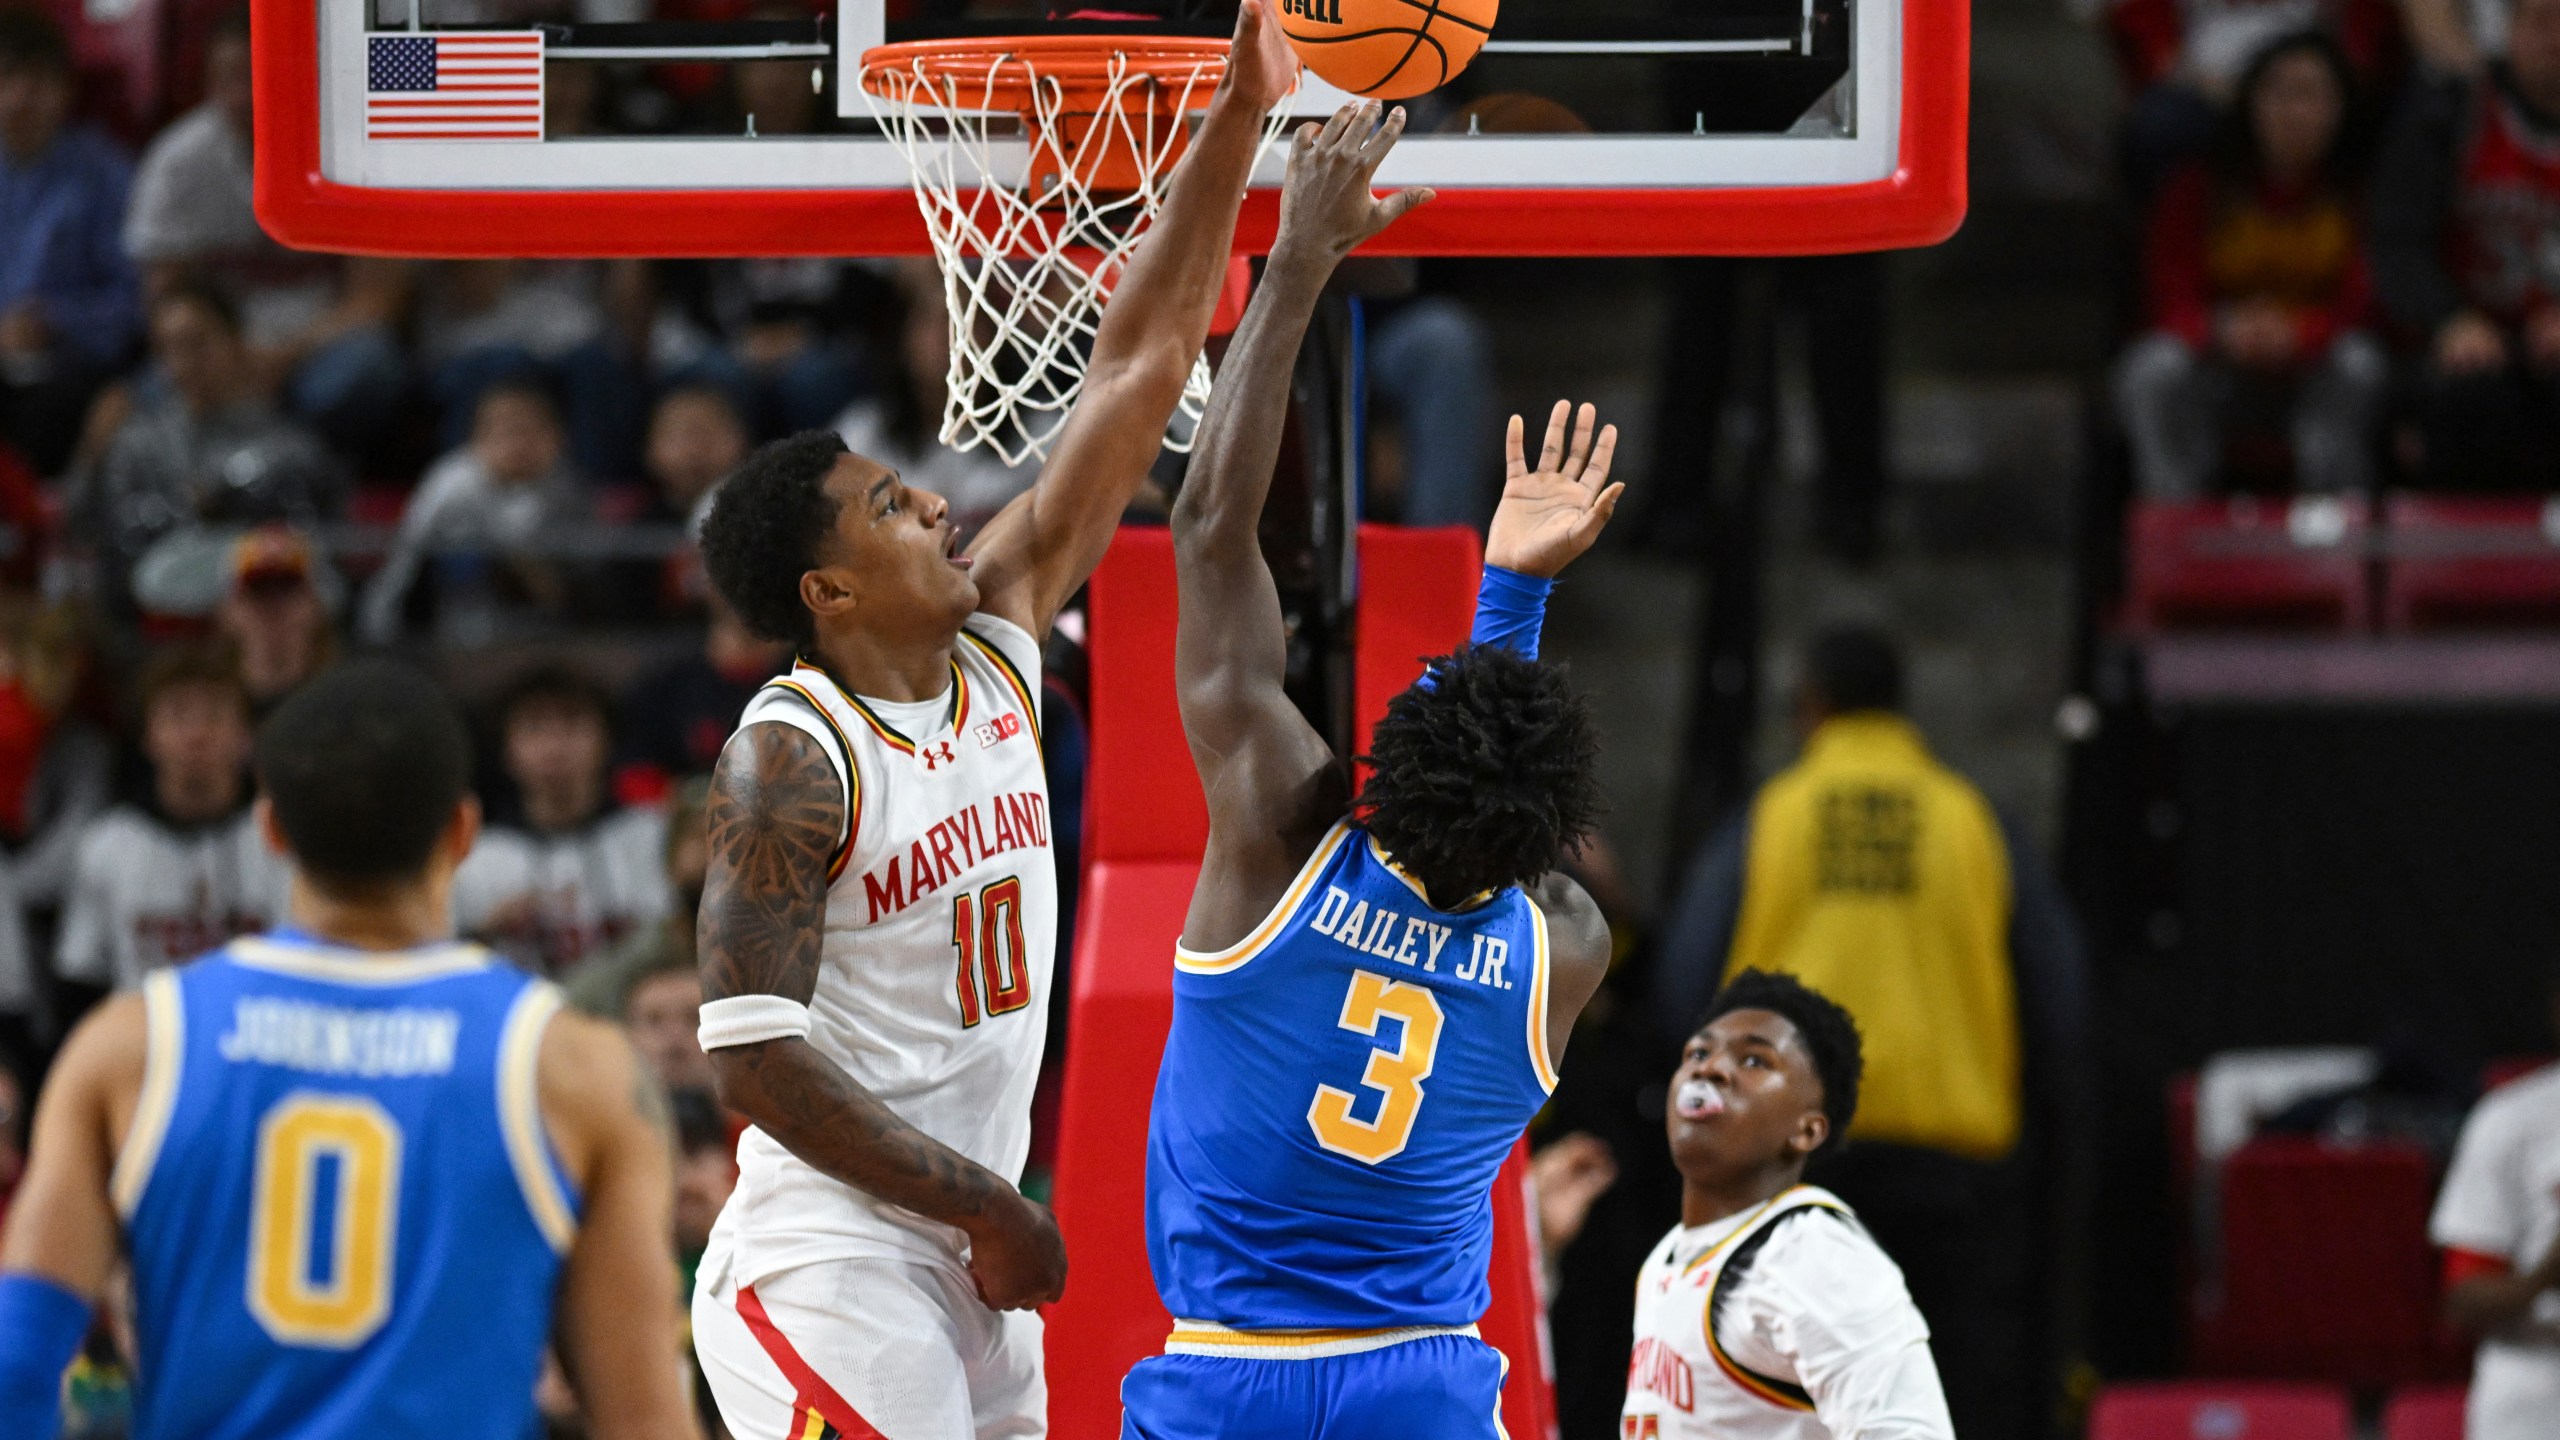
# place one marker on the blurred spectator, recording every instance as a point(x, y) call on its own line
point(196, 444)
point(696, 437)
point(900, 423)
point(1875, 874)
point(706, 1171)
point(1430, 365)
point(275, 616)
point(2182, 61)
point(1568, 1173)
point(319, 327)
point(611, 984)
point(676, 718)
point(2456, 37)
point(2466, 249)
point(477, 520)
point(167, 880)
point(2498, 1219)
point(14, 1089)
point(663, 1012)
point(57, 772)
point(575, 327)
point(67, 293)
point(565, 875)
point(2257, 286)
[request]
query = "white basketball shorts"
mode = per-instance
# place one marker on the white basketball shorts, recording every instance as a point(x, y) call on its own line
point(868, 1349)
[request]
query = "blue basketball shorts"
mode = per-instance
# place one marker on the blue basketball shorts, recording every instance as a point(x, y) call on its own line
point(1439, 1387)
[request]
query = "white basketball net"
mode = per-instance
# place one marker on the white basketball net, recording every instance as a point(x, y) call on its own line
point(1025, 275)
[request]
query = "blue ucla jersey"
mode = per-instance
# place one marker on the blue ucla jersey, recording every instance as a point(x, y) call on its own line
point(343, 1213)
point(1337, 1093)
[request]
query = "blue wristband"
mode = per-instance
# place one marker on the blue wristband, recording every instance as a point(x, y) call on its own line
point(41, 1327)
point(1510, 608)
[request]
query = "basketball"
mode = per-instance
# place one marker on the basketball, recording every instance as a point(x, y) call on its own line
point(1387, 49)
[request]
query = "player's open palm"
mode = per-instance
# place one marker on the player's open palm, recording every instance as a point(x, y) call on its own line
point(1017, 1257)
point(1326, 203)
point(1550, 515)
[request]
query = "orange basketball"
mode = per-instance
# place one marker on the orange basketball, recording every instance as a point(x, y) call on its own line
point(1387, 49)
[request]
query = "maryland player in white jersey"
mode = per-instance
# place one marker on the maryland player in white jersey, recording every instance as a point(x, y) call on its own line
point(880, 911)
point(1768, 1313)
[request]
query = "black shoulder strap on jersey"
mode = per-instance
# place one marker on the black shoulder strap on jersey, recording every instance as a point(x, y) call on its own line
point(1768, 1387)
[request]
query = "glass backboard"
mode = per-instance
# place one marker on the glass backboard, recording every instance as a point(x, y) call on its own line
point(1622, 127)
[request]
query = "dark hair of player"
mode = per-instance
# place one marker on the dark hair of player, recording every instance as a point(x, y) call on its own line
point(189, 666)
point(1483, 776)
point(363, 767)
point(555, 687)
point(29, 40)
point(1854, 668)
point(762, 533)
point(1829, 1036)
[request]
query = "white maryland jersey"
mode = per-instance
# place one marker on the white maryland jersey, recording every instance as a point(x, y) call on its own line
point(146, 893)
point(2501, 1200)
point(941, 928)
point(1785, 1322)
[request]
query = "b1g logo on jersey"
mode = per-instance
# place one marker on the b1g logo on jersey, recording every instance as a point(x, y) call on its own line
point(997, 731)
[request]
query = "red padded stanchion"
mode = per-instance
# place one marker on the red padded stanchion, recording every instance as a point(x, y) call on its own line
point(1145, 824)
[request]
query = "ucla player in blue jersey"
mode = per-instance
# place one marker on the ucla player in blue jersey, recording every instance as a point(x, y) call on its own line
point(363, 1174)
point(1372, 993)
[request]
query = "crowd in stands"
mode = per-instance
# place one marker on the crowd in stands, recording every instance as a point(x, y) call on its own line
point(2351, 249)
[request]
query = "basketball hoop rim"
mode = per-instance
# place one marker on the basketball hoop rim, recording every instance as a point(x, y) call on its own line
point(1007, 67)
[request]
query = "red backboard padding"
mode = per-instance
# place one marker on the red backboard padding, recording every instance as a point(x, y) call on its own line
point(1144, 829)
point(2237, 1410)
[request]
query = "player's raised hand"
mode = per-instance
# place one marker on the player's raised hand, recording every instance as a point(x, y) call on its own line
point(1550, 515)
point(1261, 68)
point(1016, 1255)
point(1326, 207)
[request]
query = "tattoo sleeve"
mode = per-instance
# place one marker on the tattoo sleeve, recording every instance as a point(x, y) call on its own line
point(775, 816)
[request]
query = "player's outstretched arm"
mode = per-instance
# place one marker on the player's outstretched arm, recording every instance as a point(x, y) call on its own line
point(1271, 781)
point(1579, 948)
point(62, 1243)
point(1042, 547)
point(776, 812)
point(620, 1316)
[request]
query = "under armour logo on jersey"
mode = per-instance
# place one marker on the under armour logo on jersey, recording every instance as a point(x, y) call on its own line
point(937, 755)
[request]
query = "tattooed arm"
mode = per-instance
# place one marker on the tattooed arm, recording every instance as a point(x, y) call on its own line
point(777, 810)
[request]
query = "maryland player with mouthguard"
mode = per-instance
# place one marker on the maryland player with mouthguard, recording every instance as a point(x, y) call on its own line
point(1768, 1313)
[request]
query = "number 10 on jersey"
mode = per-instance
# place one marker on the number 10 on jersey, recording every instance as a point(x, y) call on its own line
point(986, 934)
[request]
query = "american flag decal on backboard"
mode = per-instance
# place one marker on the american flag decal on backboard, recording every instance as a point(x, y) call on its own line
point(459, 85)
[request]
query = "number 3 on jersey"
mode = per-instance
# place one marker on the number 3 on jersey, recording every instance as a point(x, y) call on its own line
point(1396, 1075)
point(986, 932)
point(323, 1224)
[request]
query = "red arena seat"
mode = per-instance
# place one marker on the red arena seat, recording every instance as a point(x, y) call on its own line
point(2197, 1410)
point(2471, 560)
point(2324, 1269)
point(2245, 563)
point(2432, 1412)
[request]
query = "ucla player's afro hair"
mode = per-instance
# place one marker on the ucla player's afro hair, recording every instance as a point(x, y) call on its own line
point(1483, 773)
point(1830, 1037)
point(763, 530)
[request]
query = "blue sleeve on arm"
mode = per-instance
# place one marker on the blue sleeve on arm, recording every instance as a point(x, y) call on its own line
point(41, 1326)
point(1510, 607)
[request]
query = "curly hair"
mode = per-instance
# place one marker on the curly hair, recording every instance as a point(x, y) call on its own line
point(1830, 1036)
point(762, 533)
point(1482, 773)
